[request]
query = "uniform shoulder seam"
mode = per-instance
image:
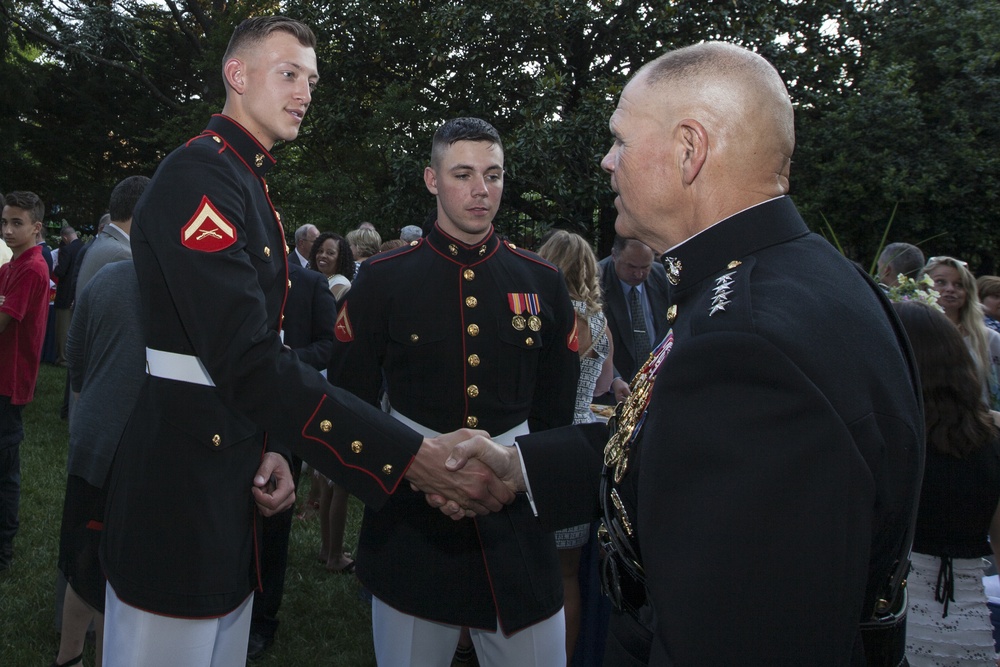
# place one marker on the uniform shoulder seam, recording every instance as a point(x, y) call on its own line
point(529, 256)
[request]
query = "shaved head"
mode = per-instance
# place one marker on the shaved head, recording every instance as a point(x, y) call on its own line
point(700, 133)
point(738, 96)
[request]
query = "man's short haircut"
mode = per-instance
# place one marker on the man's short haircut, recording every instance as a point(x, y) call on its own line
point(66, 231)
point(28, 201)
point(903, 258)
point(410, 233)
point(125, 196)
point(253, 31)
point(462, 129)
point(988, 286)
point(303, 232)
point(367, 241)
point(621, 241)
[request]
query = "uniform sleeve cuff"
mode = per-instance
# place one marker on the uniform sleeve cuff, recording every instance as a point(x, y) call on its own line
point(527, 484)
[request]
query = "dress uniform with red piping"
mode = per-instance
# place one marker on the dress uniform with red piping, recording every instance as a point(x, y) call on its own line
point(209, 251)
point(479, 336)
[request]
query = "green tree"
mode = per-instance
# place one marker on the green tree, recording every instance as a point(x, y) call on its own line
point(918, 128)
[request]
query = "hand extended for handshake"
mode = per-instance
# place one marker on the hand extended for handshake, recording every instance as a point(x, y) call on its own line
point(464, 473)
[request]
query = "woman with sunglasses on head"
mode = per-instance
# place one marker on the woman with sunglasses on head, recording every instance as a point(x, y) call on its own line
point(948, 620)
point(959, 298)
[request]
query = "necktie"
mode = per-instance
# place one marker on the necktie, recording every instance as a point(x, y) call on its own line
point(639, 335)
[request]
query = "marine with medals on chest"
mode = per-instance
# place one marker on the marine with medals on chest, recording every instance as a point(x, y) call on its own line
point(759, 485)
point(195, 466)
point(471, 332)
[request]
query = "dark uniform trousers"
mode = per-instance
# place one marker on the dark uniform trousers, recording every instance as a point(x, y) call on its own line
point(182, 530)
point(478, 336)
point(771, 485)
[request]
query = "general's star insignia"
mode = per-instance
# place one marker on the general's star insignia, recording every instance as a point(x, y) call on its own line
point(722, 290)
point(208, 230)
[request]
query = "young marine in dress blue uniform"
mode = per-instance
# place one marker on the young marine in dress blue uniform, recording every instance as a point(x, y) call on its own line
point(195, 463)
point(470, 332)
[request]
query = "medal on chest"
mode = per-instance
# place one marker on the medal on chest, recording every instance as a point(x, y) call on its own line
point(630, 415)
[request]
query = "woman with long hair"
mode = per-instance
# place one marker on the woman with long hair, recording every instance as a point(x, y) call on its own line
point(575, 258)
point(948, 621)
point(959, 298)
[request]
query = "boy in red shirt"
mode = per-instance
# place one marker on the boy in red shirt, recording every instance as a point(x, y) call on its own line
point(24, 303)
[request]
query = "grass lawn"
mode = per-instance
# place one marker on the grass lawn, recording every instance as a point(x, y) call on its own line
point(323, 620)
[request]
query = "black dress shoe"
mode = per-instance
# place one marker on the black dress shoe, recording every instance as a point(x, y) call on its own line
point(257, 644)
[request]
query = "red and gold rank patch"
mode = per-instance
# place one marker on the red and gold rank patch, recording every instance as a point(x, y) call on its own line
point(208, 230)
point(343, 329)
point(573, 340)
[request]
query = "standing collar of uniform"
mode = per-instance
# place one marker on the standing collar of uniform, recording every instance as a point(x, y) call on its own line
point(235, 137)
point(753, 229)
point(459, 252)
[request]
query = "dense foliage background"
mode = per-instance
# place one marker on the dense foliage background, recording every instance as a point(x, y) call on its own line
point(896, 104)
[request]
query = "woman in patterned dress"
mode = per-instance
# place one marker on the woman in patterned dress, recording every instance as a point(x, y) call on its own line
point(576, 259)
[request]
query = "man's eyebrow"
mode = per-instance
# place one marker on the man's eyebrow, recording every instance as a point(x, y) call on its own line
point(494, 167)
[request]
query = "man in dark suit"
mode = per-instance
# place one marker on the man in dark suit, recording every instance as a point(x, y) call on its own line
point(310, 313)
point(762, 478)
point(631, 282)
point(69, 246)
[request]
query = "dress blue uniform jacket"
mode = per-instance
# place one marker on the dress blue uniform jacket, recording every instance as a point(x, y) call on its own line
point(209, 252)
point(774, 478)
point(438, 318)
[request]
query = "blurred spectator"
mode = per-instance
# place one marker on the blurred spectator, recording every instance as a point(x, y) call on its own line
point(78, 264)
point(392, 244)
point(304, 238)
point(960, 300)
point(634, 288)
point(107, 362)
point(113, 242)
point(364, 242)
point(897, 258)
point(69, 246)
point(988, 288)
point(575, 258)
point(410, 233)
point(948, 622)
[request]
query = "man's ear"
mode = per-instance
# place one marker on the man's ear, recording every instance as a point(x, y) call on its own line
point(233, 73)
point(694, 146)
point(430, 180)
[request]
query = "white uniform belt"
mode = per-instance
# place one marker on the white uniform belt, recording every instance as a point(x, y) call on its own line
point(505, 438)
point(180, 367)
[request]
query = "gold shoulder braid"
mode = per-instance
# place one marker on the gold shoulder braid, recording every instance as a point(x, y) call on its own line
point(622, 575)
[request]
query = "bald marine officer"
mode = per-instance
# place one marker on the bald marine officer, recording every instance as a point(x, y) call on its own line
point(762, 479)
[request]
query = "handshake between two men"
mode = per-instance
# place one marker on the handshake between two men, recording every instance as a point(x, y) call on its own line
point(464, 473)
